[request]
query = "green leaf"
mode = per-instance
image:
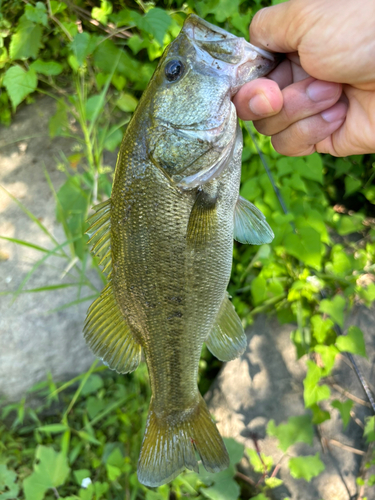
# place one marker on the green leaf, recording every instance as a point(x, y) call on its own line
point(156, 22)
point(82, 45)
point(101, 13)
point(37, 14)
point(369, 432)
point(328, 354)
point(113, 472)
point(58, 123)
point(272, 482)
point(369, 193)
point(260, 463)
point(319, 415)
point(313, 392)
point(305, 246)
point(352, 342)
point(297, 430)
point(51, 471)
point(335, 308)
point(261, 496)
point(306, 467)
point(92, 104)
point(127, 102)
point(351, 185)
point(57, 7)
point(344, 409)
point(81, 474)
point(53, 428)
point(26, 41)
point(235, 450)
point(19, 83)
point(8, 487)
point(259, 290)
point(224, 487)
point(49, 68)
point(92, 385)
point(226, 9)
point(322, 328)
point(314, 168)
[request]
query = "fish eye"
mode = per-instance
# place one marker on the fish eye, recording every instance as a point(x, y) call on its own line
point(173, 70)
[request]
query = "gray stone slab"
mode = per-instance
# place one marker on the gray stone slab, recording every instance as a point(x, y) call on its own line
point(32, 341)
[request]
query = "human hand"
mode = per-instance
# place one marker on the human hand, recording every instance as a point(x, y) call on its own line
point(322, 97)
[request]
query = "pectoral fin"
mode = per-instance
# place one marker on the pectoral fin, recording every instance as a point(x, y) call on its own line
point(108, 334)
point(250, 225)
point(203, 220)
point(227, 339)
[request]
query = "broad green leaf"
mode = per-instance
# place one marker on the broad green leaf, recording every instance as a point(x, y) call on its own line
point(313, 392)
point(260, 463)
point(272, 482)
point(347, 224)
point(162, 493)
point(369, 193)
point(113, 138)
point(298, 429)
point(19, 83)
point(92, 385)
point(95, 406)
point(8, 487)
point(344, 409)
point(51, 471)
point(305, 246)
point(259, 290)
point(156, 22)
point(250, 189)
point(261, 496)
point(328, 354)
point(82, 45)
point(319, 415)
point(37, 14)
point(340, 264)
point(369, 432)
point(46, 67)
point(113, 472)
point(334, 308)
point(101, 13)
point(322, 328)
point(3, 57)
point(58, 123)
point(26, 41)
point(351, 185)
point(306, 467)
point(81, 474)
point(314, 168)
point(235, 450)
point(57, 7)
point(352, 342)
point(226, 9)
point(127, 102)
point(92, 104)
point(224, 487)
point(53, 428)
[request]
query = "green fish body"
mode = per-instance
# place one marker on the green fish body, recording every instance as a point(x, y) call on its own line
point(166, 238)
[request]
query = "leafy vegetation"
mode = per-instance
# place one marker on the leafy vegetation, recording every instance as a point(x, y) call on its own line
point(95, 61)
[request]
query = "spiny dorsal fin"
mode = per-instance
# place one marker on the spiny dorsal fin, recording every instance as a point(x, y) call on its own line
point(203, 220)
point(250, 225)
point(100, 234)
point(108, 334)
point(227, 339)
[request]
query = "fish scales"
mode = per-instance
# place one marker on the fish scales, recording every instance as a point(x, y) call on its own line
point(170, 224)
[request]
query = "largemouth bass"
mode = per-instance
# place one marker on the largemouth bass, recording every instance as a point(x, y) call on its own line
point(165, 238)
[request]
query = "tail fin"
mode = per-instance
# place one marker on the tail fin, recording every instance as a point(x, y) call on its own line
point(168, 447)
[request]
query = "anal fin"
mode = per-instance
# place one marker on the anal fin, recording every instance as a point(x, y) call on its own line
point(227, 339)
point(108, 334)
point(250, 225)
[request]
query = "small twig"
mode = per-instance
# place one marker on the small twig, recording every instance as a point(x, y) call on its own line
point(356, 420)
point(349, 395)
point(244, 478)
point(54, 19)
point(55, 492)
point(346, 447)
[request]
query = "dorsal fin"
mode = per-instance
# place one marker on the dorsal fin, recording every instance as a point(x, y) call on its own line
point(108, 334)
point(227, 339)
point(250, 225)
point(100, 234)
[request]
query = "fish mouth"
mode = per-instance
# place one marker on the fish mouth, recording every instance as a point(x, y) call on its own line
point(227, 53)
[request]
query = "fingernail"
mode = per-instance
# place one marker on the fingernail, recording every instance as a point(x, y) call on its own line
point(322, 91)
point(336, 113)
point(260, 105)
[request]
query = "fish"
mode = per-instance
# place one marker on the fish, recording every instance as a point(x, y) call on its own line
point(165, 240)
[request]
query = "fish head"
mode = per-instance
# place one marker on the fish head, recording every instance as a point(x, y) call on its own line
point(193, 119)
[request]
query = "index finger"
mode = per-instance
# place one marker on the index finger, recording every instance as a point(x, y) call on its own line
point(270, 29)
